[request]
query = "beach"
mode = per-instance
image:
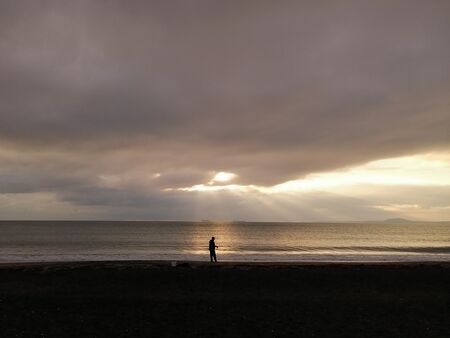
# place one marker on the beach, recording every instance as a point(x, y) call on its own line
point(196, 299)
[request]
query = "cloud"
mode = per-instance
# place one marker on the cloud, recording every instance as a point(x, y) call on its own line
point(105, 102)
point(419, 203)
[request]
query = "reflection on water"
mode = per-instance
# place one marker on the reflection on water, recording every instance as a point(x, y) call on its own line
point(36, 241)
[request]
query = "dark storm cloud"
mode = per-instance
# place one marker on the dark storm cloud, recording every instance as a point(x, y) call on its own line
point(107, 94)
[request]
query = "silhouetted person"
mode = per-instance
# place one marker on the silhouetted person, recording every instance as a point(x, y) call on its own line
point(212, 250)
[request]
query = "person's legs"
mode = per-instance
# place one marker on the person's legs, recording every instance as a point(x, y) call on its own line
point(215, 258)
point(211, 255)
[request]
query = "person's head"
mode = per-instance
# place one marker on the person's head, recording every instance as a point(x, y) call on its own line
point(213, 238)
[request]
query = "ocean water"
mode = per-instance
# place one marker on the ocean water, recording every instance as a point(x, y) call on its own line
point(31, 241)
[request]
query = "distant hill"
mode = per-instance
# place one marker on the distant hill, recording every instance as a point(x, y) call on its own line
point(397, 220)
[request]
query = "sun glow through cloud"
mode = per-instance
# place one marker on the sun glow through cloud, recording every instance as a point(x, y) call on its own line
point(419, 170)
point(222, 176)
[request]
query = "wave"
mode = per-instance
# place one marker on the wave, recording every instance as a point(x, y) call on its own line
point(337, 249)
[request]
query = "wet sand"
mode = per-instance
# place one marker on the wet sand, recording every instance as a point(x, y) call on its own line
point(156, 299)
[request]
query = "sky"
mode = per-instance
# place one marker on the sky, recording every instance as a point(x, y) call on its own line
point(225, 110)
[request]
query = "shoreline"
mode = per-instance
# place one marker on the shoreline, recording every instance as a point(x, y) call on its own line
point(227, 264)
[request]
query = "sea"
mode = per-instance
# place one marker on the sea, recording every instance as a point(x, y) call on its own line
point(66, 241)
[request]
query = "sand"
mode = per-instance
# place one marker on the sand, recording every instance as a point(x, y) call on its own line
point(155, 299)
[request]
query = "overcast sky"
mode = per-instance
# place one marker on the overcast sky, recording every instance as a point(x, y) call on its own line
point(205, 109)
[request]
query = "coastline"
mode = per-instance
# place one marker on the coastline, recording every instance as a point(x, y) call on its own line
point(228, 299)
point(224, 264)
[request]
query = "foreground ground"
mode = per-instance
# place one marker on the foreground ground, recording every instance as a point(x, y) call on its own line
point(231, 300)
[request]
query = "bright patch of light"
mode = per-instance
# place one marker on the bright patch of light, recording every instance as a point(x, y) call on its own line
point(229, 187)
point(223, 176)
point(397, 207)
point(418, 170)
